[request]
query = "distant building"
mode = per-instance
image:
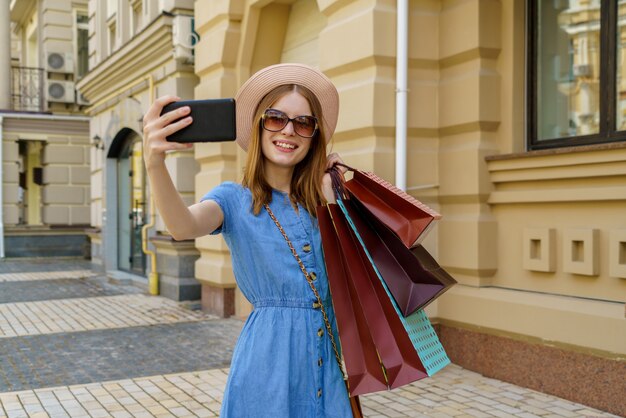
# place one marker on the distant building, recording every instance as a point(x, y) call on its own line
point(138, 50)
point(43, 130)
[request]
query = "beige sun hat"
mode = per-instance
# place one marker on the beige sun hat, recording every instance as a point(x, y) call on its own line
point(265, 80)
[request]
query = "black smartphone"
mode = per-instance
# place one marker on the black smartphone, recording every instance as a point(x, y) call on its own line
point(213, 121)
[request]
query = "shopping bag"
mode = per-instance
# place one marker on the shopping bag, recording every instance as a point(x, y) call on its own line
point(397, 355)
point(353, 298)
point(408, 218)
point(417, 325)
point(414, 278)
point(362, 364)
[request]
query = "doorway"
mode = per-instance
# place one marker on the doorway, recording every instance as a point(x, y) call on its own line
point(131, 211)
point(30, 182)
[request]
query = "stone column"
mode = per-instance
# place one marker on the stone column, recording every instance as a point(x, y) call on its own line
point(469, 121)
point(218, 23)
point(5, 51)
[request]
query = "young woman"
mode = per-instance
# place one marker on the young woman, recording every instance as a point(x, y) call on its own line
point(284, 364)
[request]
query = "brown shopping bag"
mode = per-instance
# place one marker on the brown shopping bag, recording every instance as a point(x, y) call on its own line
point(413, 277)
point(408, 218)
point(375, 314)
point(359, 353)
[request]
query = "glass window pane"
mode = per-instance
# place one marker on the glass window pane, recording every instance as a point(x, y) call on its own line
point(620, 117)
point(82, 45)
point(568, 71)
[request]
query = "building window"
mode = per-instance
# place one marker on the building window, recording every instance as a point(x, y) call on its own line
point(137, 13)
point(82, 44)
point(576, 92)
point(112, 36)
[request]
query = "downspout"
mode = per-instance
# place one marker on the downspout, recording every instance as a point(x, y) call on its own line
point(153, 278)
point(402, 35)
point(1, 189)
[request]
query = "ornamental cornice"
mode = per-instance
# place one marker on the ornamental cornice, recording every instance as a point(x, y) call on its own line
point(150, 49)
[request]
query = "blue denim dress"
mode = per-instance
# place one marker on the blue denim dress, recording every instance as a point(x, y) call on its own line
point(283, 364)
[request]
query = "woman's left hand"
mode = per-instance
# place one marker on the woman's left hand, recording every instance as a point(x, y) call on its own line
point(327, 183)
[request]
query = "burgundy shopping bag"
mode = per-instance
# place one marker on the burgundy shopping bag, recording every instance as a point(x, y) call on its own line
point(365, 374)
point(397, 354)
point(414, 278)
point(401, 362)
point(408, 218)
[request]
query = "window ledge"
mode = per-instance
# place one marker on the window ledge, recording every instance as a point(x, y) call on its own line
point(574, 174)
point(557, 151)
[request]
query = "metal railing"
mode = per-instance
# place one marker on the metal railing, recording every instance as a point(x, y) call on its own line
point(27, 89)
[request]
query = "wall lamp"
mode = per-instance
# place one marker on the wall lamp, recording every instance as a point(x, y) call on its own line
point(97, 142)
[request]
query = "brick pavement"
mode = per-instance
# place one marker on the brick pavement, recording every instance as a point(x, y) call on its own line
point(103, 354)
point(45, 275)
point(84, 314)
point(454, 392)
point(67, 288)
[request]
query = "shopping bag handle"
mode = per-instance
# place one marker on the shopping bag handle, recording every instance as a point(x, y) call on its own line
point(338, 181)
point(345, 166)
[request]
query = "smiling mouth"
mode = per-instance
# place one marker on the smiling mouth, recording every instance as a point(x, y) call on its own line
point(285, 145)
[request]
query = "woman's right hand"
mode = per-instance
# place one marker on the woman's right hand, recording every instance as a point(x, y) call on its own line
point(156, 128)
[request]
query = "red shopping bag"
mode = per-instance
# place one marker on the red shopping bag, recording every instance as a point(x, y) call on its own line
point(357, 282)
point(361, 360)
point(408, 218)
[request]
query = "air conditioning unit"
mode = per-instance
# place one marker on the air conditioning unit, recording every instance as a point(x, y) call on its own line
point(60, 62)
point(80, 99)
point(184, 38)
point(60, 91)
point(583, 70)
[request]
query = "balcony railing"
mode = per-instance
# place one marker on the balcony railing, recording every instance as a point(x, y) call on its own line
point(27, 89)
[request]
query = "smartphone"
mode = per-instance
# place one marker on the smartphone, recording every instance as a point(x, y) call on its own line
point(213, 121)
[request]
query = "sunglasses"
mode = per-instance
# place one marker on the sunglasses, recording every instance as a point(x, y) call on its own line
point(274, 120)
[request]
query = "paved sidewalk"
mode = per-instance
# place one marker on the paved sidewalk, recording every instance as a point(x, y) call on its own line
point(72, 344)
point(454, 392)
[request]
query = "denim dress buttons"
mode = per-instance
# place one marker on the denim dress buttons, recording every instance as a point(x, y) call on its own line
point(283, 364)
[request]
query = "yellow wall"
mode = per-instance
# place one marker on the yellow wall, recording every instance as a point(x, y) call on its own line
point(466, 102)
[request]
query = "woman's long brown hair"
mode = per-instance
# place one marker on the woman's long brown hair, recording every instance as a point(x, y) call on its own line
point(306, 181)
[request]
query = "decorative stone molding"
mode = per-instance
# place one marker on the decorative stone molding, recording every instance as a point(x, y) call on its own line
point(617, 253)
point(580, 251)
point(539, 249)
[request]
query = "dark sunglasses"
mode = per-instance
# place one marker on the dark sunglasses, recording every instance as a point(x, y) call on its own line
point(274, 120)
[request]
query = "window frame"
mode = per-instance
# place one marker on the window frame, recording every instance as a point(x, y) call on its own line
point(608, 82)
point(76, 26)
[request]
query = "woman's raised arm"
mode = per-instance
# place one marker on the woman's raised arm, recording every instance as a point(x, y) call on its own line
point(182, 222)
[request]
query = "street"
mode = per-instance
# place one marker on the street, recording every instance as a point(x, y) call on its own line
point(74, 344)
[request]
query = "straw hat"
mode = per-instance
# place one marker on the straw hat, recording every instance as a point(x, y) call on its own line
point(265, 80)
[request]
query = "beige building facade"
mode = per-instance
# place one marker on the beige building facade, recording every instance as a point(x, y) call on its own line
point(534, 231)
point(43, 131)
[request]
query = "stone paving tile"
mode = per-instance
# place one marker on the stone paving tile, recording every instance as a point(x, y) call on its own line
point(46, 275)
point(35, 290)
point(52, 264)
point(200, 394)
point(72, 315)
point(84, 357)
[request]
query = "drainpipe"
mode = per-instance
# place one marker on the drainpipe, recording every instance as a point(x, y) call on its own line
point(1, 190)
point(402, 35)
point(153, 278)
